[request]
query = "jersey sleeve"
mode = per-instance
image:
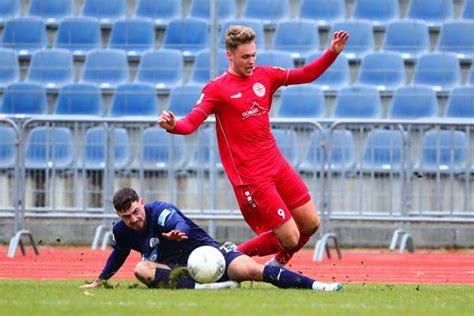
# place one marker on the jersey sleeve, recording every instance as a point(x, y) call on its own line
point(170, 219)
point(115, 261)
point(278, 77)
point(312, 70)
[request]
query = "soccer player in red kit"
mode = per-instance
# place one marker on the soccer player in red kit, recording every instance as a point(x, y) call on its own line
point(272, 197)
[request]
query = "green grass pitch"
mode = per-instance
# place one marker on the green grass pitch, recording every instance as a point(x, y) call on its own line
point(128, 298)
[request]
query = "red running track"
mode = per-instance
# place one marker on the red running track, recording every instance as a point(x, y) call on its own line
point(356, 266)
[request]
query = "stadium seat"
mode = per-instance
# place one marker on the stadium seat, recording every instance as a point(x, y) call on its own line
point(440, 70)
point(226, 9)
point(201, 155)
point(9, 67)
point(106, 67)
point(461, 103)
point(470, 78)
point(302, 101)
point(468, 10)
point(51, 11)
point(163, 68)
point(25, 34)
point(287, 144)
point(8, 147)
point(444, 151)
point(188, 35)
point(183, 98)
point(358, 102)
point(383, 151)
point(52, 68)
point(49, 148)
point(256, 25)
point(133, 35)
point(414, 102)
point(275, 58)
point(377, 12)
point(341, 159)
point(361, 39)
point(95, 148)
point(79, 99)
point(298, 37)
point(135, 99)
point(200, 73)
point(408, 37)
point(457, 37)
point(79, 35)
point(322, 11)
point(24, 98)
point(336, 76)
point(161, 150)
point(105, 11)
point(161, 12)
point(9, 9)
point(384, 70)
point(268, 11)
point(434, 12)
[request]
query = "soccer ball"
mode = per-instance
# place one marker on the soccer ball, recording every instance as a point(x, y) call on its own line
point(206, 264)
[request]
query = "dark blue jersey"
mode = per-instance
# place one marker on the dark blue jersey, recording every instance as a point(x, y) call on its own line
point(160, 218)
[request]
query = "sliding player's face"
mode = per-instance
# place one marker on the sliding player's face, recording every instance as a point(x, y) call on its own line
point(242, 59)
point(134, 217)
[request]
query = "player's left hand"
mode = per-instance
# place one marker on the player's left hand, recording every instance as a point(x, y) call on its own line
point(175, 235)
point(339, 40)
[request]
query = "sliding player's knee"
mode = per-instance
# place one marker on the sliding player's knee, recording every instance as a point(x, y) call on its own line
point(143, 272)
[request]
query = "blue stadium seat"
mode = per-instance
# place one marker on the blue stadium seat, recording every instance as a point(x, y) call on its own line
point(161, 11)
point(440, 70)
point(470, 79)
point(201, 155)
point(9, 9)
point(24, 98)
point(468, 10)
point(358, 102)
point(188, 35)
point(51, 11)
point(200, 73)
point(457, 37)
point(434, 12)
point(79, 99)
point(461, 103)
point(341, 159)
point(52, 68)
point(322, 11)
point(298, 37)
point(24, 34)
point(256, 25)
point(383, 151)
point(302, 101)
point(9, 67)
point(106, 11)
point(269, 11)
point(163, 68)
point(161, 150)
point(133, 35)
point(79, 35)
point(107, 68)
point(336, 76)
point(287, 144)
point(134, 99)
point(444, 151)
point(377, 12)
point(95, 148)
point(275, 58)
point(49, 147)
point(414, 102)
point(8, 147)
point(183, 98)
point(408, 37)
point(384, 70)
point(226, 9)
point(361, 39)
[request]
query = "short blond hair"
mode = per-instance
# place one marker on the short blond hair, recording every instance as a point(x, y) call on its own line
point(238, 34)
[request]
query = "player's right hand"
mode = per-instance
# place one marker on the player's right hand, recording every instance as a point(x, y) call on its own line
point(94, 284)
point(167, 120)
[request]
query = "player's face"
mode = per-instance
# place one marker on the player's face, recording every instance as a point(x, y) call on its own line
point(134, 217)
point(242, 59)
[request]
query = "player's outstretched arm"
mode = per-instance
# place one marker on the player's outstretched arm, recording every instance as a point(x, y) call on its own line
point(167, 120)
point(175, 235)
point(339, 40)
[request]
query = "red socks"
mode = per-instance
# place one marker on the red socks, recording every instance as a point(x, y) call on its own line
point(263, 245)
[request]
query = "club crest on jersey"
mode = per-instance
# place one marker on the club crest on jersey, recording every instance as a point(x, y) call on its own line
point(153, 242)
point(259, 89)
point(255, 110)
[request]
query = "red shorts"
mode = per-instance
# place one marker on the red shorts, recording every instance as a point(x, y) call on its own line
point(266, 203)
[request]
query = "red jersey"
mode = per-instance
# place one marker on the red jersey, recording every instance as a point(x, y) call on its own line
point(242, 106)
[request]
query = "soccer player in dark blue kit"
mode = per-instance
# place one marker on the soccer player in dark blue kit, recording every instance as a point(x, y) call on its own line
point(165, 237)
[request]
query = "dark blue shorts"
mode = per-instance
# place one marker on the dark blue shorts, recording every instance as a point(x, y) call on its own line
point(229, 256)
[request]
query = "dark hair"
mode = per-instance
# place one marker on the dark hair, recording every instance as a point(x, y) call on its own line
point(123, 198)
